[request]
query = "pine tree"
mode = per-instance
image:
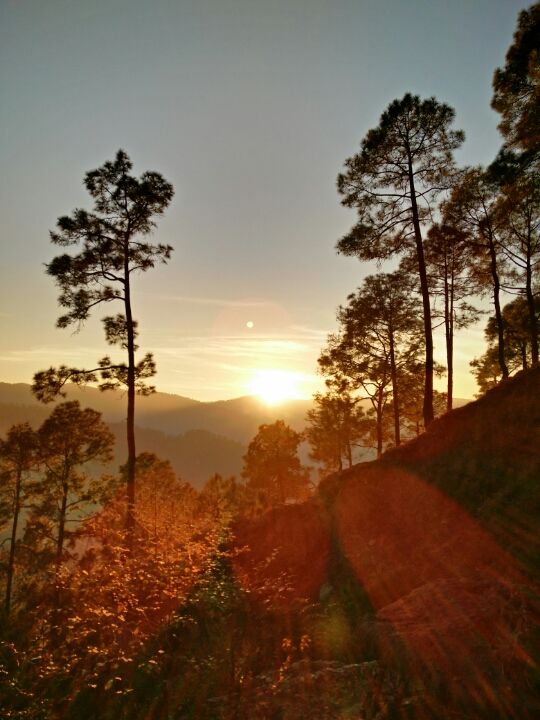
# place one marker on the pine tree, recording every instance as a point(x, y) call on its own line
point(393, 183)
point(272, 467)
point(113, 247)
point(18, 457)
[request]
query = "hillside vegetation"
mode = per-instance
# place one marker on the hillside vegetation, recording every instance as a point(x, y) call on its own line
point(426, 562)
point(406, 587)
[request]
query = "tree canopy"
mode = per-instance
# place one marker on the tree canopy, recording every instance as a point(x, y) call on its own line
point(272, 467)
point(380, 335)
point(516, 86)
point(393, 183)
point(112, 242)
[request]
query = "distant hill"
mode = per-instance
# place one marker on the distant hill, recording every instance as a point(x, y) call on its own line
point(199, 438)
point(111, 404)
point(236, 419)
point(195, 455)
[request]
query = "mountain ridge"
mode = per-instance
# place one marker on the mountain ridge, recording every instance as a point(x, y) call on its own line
point(237, 419)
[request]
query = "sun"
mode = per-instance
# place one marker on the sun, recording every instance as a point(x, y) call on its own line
point(275, 386)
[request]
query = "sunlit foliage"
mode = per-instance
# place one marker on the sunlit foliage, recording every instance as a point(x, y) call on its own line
point(272, 467)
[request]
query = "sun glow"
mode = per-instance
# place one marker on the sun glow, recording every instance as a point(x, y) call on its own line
point(275, 386)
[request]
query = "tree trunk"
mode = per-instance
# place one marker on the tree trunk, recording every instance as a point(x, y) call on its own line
point(531, 308)
point(497, 304)
point(379, 416)
point(11, 561)
point(61, 528)
point(449, 329)
point(449, 333)
point(523, 351)
point(428, 332)
point(395, 389)
point(281, 490)
point(349, 453)
point(337, 424)
point(130, 420)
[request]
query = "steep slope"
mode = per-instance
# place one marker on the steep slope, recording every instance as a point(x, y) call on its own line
point(435, 561)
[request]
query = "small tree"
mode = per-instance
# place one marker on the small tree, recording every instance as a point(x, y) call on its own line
point(345, 362)
point(380, 334)
point(393, 182)
point(335, 425)
point(69, 439)
point(486, 370)
point(448, 258)
point(162, 499)
point(518, 208)
point(116, 606)
point(272, 467)
point(112, 249)
point(223, 497)
point(18, 457)
point(472, 210)
point(517, 344)
point(411, 384)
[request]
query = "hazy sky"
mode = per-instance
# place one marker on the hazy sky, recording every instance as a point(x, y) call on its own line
point(249, 107)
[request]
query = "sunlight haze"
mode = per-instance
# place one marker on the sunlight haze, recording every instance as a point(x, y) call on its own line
point(249, 108)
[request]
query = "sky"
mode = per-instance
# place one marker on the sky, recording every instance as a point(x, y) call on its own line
point(250, 108)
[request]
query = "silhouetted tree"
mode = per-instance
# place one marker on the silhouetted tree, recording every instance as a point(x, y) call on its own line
point(448, 259)
point(393, 182)
point(272, 467)
point(18, 457)
point(517, 344)
point(380, 334)
point(411, 408)
point(486, 370)
point(113, 246)
point(335, 425)
point(519, 211)
point(69, 439)
point(516, 87)
point(472, 210)
point(345, 361)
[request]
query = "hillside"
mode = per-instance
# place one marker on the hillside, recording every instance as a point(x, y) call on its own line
point(426, 562)
point(195, 455)
point(110, 404)
point(405, 588)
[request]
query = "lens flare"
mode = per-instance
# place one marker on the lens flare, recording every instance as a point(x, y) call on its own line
point(275, 386)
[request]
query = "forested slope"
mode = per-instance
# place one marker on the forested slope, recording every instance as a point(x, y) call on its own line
point(434, 564)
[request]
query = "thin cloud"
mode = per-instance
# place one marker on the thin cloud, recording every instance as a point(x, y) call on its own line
point(220, 302)
point(236, 347)
point(44, 354)
point(315, 334)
